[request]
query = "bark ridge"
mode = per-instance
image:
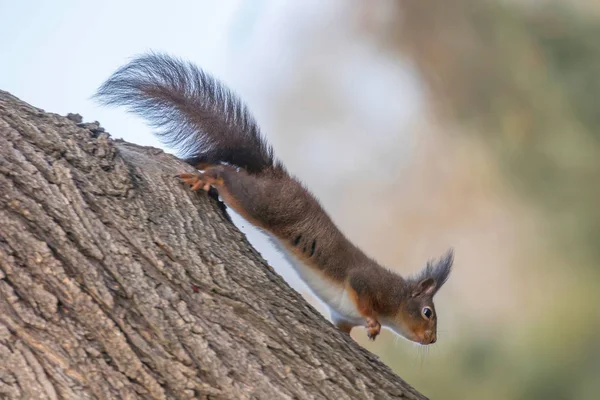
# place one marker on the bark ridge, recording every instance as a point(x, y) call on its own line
point(117, 282)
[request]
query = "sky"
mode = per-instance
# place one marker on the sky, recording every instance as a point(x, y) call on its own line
point(55, 54)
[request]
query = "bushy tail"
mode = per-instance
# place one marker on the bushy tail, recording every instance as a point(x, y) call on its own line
point(192, 111)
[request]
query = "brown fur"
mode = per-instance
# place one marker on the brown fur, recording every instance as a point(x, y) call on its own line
point(216, 133)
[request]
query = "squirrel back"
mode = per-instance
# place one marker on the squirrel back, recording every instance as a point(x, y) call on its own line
point(191, 111)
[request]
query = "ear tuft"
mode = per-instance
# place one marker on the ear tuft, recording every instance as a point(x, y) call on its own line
point(425, 287)
point(434, 275)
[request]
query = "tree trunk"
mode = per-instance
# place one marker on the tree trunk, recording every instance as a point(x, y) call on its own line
point(117, 281)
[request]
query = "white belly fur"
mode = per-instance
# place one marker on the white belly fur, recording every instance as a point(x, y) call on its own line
point(334, 296)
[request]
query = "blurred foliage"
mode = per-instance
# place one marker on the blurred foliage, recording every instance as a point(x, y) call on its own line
point(525, 78)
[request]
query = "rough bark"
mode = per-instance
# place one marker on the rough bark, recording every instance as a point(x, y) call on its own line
point(116, 281)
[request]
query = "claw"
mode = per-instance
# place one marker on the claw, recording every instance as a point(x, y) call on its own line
point(197, 185)
point(202, 180)
point(196, 181)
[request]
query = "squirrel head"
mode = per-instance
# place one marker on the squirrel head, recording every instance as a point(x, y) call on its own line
point(416, 318)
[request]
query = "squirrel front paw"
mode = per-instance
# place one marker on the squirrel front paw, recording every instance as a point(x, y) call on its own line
point(373, 328)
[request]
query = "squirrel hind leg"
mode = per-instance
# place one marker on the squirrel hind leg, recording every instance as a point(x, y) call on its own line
point(196, 181)
point(223, 179)
point(209, 185)
point(210, 177)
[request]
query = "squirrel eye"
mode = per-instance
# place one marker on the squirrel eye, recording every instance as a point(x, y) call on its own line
point(427, 312)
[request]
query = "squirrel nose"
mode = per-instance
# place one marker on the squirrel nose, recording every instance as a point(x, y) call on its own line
point(431, 337)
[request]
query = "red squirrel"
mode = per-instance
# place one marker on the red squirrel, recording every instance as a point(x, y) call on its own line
point(214, 132)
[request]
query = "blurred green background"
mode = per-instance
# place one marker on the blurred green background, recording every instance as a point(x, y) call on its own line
point(419, 125)
point(503, 163)
point(513, 88)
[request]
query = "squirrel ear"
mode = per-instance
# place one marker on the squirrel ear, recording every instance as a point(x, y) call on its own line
point(434, 275)
point(425, 287)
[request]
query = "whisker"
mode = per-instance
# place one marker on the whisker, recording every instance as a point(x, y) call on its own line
point(421, 351)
